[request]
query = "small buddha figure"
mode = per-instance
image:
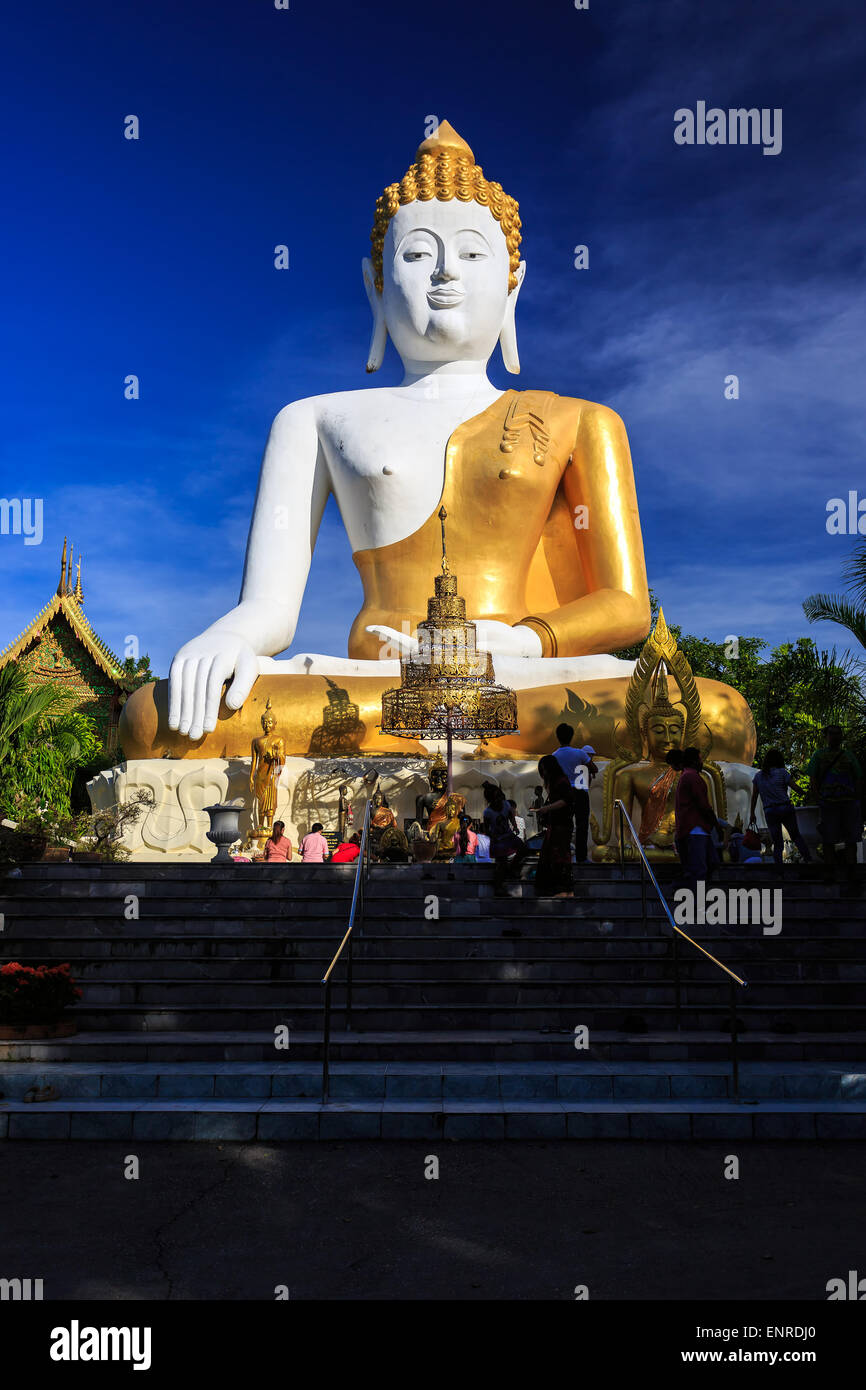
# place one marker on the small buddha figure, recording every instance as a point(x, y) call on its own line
point(344, 812)
point(381, 819)
point(447, 828)
point(268, 757)
point(430, 806)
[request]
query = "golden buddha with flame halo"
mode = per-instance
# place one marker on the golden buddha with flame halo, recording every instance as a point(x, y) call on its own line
point(516, 471)
point(653, 726)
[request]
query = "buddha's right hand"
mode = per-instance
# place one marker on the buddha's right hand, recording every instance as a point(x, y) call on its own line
point(197, 676)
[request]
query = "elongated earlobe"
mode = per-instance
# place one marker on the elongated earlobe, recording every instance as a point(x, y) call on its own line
point(508, 335)
point(376, 355)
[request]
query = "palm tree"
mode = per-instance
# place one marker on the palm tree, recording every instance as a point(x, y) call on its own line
point(847, 609)
point(42, 739)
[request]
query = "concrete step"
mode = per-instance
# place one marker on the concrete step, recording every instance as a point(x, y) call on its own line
point(460, 971)
point(514, 987)
point(506, 1081)
point(409, 1017)
point(464, 1045)
point(444, 944)
point(270, 1121)
point(392, 879)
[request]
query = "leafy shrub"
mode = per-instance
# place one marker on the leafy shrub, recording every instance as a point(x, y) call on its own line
point(35, 994)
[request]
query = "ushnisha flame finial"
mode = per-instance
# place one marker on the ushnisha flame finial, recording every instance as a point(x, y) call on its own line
point(442, 516)
point(445, 137)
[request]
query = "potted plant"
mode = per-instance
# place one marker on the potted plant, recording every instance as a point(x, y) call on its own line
point(33, 998)
point(98, 838)
point(25, 834)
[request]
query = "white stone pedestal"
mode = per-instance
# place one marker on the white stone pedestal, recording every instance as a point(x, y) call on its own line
point(308, 791)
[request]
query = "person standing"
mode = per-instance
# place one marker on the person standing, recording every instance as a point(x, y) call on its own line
point(314, 847)
point(695, 821)
point(577, 765)
point(505, 844)
point(836, 781)
point(465, 841)
point(554, 875)
point(771, 784)
point(519, 822)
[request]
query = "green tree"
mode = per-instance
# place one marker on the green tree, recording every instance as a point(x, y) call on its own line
point(43, 740)
point(849, 608)
point(793, 692)
point(138, 671)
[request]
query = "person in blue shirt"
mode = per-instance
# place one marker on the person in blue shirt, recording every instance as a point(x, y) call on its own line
point(578, 766)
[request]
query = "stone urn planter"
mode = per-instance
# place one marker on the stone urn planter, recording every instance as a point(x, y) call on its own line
point(224, 829)
point(57, 854)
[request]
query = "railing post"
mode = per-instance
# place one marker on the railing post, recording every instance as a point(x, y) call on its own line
point(643, 893)
point(326, 1042)
point(349, 989)
point(677, 999)
point(735, 1060)
point(621, 842)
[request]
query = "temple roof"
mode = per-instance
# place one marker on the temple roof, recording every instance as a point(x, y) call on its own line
point(67, 603)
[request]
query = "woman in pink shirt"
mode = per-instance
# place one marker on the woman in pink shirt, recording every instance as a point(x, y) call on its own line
point(314, 847)
point(465, 841)
point(278, 847)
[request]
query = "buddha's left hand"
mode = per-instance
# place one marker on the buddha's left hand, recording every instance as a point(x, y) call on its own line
point(492, 637)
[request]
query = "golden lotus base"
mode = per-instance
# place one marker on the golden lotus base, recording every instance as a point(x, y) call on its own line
point(301, 707)
point(609, 854)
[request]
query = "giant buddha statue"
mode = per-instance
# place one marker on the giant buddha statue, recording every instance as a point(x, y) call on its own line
point(539, 488)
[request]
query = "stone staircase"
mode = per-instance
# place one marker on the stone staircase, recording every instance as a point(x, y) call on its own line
point(463, 1025)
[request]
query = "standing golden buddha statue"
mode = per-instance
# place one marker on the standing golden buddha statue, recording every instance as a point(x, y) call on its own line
point(268, 758)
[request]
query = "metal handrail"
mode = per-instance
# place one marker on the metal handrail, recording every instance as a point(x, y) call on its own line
point(733, 978)
point(356, 917)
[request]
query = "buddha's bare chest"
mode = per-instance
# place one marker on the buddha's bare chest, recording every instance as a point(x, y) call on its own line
point(386, 460)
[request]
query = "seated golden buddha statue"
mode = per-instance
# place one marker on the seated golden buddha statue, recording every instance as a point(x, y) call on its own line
point(639, 775)
point(430, 806)
point(544, 528)
point(447, 828)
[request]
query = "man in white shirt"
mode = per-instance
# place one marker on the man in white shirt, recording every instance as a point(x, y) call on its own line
point(518, 821)
point(576, 764)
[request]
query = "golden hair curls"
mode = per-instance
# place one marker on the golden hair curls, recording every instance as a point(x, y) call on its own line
point(446, 174)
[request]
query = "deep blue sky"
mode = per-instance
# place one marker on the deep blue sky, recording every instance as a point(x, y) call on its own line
point(261, 126)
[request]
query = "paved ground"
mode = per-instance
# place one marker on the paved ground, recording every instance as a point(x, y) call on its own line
point(360, 1221)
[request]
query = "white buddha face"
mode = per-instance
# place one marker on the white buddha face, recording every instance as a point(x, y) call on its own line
point(445, 281)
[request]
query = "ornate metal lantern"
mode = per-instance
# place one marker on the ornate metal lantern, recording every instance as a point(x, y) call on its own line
point(448, 687)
